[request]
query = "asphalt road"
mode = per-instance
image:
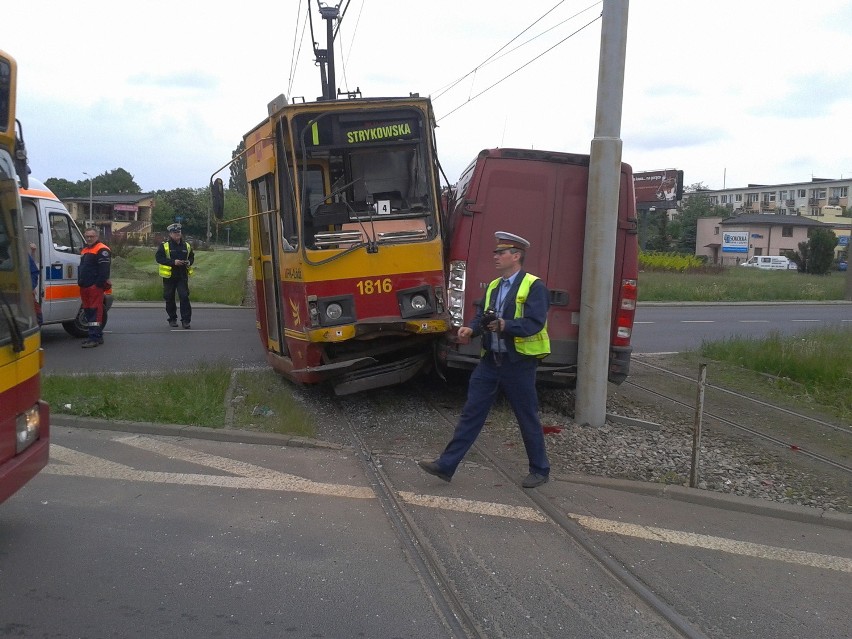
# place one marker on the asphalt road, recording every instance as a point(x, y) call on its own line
point(131, 535)
point(138, 338)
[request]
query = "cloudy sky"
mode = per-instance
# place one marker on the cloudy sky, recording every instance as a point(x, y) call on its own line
point(729, 91)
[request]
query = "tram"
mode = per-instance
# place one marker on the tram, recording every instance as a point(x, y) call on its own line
point(24, 417)
point(346, 239)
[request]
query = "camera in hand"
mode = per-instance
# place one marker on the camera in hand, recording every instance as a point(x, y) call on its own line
point(487, 317)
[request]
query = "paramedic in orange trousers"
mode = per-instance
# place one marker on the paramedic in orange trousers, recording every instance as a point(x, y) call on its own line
point(514, 338)
point(93, 279)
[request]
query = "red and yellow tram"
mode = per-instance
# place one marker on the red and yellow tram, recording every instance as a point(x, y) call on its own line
point(346, 241)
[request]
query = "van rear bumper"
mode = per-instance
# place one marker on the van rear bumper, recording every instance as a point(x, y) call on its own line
point(558, 367)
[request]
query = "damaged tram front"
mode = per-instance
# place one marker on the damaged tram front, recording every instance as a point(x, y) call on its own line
point(346, 242)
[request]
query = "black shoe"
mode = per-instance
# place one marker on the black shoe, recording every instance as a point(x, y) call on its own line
point(433, 469)
point(173, 323)
point(534, 479)
point(184, 324)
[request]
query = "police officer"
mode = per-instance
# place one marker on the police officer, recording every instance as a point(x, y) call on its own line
point(93, 279)
point(175, 258)
point(513, 326)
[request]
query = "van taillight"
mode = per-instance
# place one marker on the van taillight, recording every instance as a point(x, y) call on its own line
point(626, 313)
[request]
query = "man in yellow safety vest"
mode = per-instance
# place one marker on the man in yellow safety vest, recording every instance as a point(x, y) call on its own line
point(175, 257)
point(513, 324)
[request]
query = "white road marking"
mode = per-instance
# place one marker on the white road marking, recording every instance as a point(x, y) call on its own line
point(84, 465)
point(708, 542)
point(242, 475)
point(472, 506)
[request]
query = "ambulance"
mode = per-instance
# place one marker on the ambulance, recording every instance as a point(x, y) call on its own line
point(58, 242)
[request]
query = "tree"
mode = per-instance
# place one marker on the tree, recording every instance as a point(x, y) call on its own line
point(63, 188)
point(109, 183)
point(816, 256)
point(696, 206)
point(116, 181)
point(238, 170)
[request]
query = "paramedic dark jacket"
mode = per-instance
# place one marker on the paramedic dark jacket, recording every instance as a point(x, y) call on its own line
point(94, 266)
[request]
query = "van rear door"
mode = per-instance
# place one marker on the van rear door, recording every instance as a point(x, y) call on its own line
point(544, 202)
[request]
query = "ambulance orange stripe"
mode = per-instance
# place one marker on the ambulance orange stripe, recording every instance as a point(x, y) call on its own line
point(61, 292)
point(46, 195)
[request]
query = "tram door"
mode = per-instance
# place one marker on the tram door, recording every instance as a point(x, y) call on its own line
point(267, 219)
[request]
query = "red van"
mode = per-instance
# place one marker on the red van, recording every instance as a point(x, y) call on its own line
point(541, 196)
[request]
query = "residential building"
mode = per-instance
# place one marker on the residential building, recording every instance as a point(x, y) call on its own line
point(123, 214)
point(729, 241)
point(774, 218)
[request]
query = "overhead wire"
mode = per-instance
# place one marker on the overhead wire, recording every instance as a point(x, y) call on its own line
point(526, 64)
point(441, 91)
point(296, 53)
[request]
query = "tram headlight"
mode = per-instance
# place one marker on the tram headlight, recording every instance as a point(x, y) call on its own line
point(27, 426)
point(334, 312)
point(416, 302)
point(337, 310)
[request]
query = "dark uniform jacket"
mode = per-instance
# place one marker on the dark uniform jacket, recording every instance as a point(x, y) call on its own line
point(177, 251)
point(94, 266)
point(534, 319)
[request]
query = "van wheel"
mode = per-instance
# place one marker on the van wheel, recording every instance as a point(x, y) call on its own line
point(78, 327)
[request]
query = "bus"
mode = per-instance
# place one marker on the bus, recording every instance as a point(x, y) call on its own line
point(24, 417)
point(346, 239)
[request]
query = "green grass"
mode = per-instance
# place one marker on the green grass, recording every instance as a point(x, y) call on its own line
point(265, 401)
point(738, 284)
point(261, 400)
point(170, 398)
point(219, 276)
point(813, 367)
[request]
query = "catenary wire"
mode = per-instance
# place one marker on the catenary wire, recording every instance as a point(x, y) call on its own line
point(526, 64)
point(437, 94)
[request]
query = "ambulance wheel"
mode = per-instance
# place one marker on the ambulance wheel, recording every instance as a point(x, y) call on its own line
point(78, 327)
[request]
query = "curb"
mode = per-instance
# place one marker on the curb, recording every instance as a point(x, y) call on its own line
point(232, 435)
point(735, 503)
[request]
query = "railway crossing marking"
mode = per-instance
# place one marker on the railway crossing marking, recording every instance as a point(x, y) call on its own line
point(242, 475)
point(709, 542)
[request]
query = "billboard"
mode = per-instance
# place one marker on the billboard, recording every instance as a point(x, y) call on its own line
point(658, 187)
point(735, 242)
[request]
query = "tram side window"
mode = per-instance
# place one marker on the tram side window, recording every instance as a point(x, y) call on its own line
point(262, 191)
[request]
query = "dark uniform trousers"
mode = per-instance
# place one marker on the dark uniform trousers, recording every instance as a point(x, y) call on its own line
point(517, 380)
point(180, 284)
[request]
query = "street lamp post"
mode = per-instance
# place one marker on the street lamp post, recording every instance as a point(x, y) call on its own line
point(90, 198)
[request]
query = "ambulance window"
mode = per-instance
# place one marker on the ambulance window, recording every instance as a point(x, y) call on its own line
point(64, 234)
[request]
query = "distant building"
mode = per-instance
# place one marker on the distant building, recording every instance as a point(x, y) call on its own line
point(772, 218)
point(123, 214)
point(729, 241)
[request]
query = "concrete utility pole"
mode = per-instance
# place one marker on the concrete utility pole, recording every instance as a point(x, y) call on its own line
point(601, 221)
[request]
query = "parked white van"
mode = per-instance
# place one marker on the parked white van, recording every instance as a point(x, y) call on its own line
point(772, 262)
point(58, 242)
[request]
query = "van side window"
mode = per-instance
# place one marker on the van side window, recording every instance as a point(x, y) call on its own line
point(64, 234)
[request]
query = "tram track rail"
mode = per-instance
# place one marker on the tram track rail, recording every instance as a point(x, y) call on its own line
point(754, 432)
point(445, 600)
point(425, 560)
